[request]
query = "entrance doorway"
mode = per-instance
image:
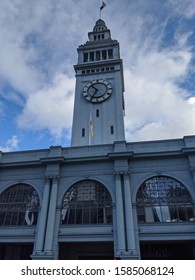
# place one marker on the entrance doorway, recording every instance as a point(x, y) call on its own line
point(86, 251)
point(15, 251)
point(168, 250)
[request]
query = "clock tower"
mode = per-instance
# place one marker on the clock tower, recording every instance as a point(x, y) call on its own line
point(99, 103)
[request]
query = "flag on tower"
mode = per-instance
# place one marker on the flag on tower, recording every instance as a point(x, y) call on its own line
point(103, 5)
point(90, 126)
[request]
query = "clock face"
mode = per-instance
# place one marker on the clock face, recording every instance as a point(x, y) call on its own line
point(97, 91)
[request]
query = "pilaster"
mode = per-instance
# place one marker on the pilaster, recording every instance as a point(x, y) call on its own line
point(51, 218)
point(119, 216)
point(129, 220)
point(41, 227)
point(44, 242)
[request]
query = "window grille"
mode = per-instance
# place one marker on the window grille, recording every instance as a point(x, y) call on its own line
point(164, 199)
point(19, 205)
point(87, 202)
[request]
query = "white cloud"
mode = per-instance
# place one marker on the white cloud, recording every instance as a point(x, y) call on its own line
point(11, 144)
point(156, 106)
point(183, 8)
point(163, 66)
point(50, 108)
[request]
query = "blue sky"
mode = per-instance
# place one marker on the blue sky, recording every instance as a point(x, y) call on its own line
point(38, 50)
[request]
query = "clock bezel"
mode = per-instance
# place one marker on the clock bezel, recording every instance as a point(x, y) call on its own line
point(102, 98)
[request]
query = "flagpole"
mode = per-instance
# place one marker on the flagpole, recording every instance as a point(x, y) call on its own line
point(90, 127)
point(102, 7)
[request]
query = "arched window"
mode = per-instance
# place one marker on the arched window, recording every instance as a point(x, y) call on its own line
point(19, 205)
point(87, 202)
point(163, 199)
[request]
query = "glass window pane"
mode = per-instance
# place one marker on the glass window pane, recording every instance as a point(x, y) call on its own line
point(149, 214)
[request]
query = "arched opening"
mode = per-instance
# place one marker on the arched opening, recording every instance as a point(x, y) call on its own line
point(164, 199)
point(87, 202)
point(19, 206)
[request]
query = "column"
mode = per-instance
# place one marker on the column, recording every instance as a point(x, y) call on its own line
point(193, 174)
point(39, 243)
point(119, 216)
point(130, 232)
point(51, 218)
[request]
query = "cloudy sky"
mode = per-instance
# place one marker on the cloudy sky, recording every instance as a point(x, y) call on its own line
point(38, 41)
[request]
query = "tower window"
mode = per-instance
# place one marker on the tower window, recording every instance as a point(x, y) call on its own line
point(83, 132)
point(85, 57)
point(91, 56)
point(112, 129)
point(98, 55)
point(95, 37)
point(110, 53)
point(97, 113)
point(102, 36)
point(104, 54)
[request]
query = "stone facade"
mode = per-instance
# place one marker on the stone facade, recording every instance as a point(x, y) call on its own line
point(122, 168)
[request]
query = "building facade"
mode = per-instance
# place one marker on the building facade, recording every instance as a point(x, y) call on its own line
point(101, 198)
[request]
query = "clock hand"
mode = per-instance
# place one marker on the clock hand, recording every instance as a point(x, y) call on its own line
point(94, 92)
